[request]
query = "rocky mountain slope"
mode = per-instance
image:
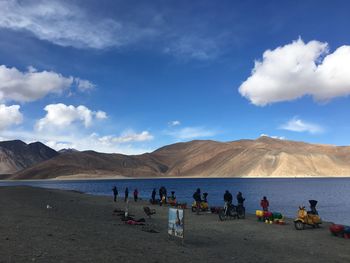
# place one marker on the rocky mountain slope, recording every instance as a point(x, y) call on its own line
point(252, 158)
point(17, 155)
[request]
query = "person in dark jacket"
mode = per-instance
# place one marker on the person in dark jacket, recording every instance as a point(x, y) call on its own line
point(153, 197)
point(126, 194)
point(136, 195)
point(228, 197)
point(313, 210)
point(165, 194)
point(160, 193)
point(240, 199)
point(197, 199)
point(115, 193)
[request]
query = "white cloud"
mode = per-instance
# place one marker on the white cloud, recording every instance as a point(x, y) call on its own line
point(31, 85)
point(174, 123)
point(298, 125)
point(78, 140)
point(194, 47)
point(126, 137)
point(273, 137)
point(191, 133)
point(66, 24)
point(101, 115)
point(298, 69)
point(10, 115)
point(57, 145)
point(60, 116)
point(84, 85)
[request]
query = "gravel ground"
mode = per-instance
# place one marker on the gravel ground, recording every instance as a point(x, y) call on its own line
point(83, 228)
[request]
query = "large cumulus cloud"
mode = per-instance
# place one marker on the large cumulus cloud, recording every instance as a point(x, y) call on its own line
point(298, 69)
point(60, 116)
point(31, 85)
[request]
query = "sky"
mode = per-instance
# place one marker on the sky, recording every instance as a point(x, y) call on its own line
point(132, 76)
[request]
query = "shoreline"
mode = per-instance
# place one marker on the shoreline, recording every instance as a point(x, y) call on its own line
point(72, 178)
point(83, 228)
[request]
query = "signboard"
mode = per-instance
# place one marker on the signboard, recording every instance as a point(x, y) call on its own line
point(176, 222)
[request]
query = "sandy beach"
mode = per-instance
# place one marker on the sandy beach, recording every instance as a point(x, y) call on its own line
point(83, 228)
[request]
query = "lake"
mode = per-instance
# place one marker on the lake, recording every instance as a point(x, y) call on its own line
point(285, 195)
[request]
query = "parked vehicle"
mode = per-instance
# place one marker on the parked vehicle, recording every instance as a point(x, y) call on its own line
point(231, 211)
point(310, 218)
point(203, 206)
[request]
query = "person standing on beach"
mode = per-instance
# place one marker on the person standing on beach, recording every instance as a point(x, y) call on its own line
point(165, 194)
point(264, 203)
point(161, 193)
point(153, 197)
point(126, 194)
point(240, 199)
point(228, 198)
point(136, 195)
point(197, 199)
point(115, 193)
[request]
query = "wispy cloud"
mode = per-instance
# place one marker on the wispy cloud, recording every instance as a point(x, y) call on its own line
point(126, 137)
point(273, 136)
point(68, 23)
point(84, 85)
point(298, 125)
point(174, 123)
point(194, 47)
point(187, 133)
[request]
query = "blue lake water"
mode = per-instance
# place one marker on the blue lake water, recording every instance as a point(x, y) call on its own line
point(285, 195)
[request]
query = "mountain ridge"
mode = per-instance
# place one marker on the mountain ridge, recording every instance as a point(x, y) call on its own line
point(263, 157)
point(16, 155)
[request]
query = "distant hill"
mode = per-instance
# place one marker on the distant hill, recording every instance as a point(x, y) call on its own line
point(17, 155)
point(67, 150)
point(251, 158)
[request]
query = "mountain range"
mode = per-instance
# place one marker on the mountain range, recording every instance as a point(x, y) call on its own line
point(17, 155)
point(263, 157)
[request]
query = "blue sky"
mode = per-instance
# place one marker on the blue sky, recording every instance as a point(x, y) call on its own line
point(132, 76)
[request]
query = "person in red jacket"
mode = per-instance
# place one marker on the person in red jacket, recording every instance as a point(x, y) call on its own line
point(264, 203)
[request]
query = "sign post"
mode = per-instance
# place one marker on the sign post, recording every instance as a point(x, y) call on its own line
point(176, 226)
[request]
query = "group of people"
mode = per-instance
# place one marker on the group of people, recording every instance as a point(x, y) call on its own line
point(198, 198)
point(228, 198)
point(126, 194)
point(162, 196)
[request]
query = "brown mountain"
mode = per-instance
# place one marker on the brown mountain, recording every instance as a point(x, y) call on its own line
point(17, 155)
point(262, 157)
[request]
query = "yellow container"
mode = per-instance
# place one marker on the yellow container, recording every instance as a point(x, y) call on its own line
point(259, 213)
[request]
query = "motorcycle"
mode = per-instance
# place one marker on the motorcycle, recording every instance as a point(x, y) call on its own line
point(310, 218)
point(202, 208)
point(231, 211)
